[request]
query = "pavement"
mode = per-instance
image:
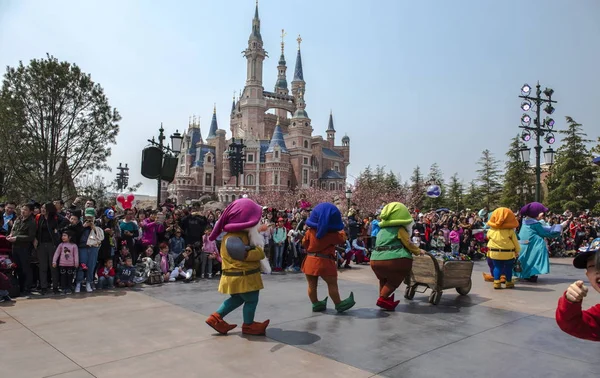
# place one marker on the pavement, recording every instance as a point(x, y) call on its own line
point(158, 331)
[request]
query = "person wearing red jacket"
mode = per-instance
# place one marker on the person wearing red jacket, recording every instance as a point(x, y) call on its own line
point(106, 275)
point(569, 315)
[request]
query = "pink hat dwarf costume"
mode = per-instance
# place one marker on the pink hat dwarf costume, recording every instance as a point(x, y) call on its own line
point(241, 277)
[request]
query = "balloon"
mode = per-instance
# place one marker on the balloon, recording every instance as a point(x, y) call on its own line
point(434, 191)
point(130, 198)
point(125, 203)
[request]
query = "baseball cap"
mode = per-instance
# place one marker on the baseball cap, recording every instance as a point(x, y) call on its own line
point(580, 261)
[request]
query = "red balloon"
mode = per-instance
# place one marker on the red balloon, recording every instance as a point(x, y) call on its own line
point(120, 198)
point(130, 197)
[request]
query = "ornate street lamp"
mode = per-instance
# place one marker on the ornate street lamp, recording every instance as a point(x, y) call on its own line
point(549, 156)
point(348, 197)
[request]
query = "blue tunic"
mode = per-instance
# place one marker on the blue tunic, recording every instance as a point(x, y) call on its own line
point(534, 252)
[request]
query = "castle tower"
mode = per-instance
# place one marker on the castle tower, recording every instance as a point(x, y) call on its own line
point(252, 102)
point(330, 131)
point(277, 161)
point(299, 138)
point(298, 82)
point(281, 86)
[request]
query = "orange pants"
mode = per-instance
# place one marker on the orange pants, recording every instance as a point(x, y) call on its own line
point(390, 274)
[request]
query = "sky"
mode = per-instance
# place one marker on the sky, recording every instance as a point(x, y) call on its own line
point(410, 82)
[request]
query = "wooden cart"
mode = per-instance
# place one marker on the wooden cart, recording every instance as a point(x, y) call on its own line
point(429, 272)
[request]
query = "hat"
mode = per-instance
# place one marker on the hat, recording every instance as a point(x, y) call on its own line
point(280, 220)
point(533, 209)
point(90, 212)
point(580, 261)
point(109, 213)
point(503, 218)
point(395, 214)
point(325, 217)
point(239, 215)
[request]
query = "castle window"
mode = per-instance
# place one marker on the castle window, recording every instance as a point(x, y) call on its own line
point(336, 168)
point(276, 179)
point(249, 180)
point(331, 186)
point(250, 158)
point(289, 184)
point(306, 161)
point(232, 197)
point(226, 198)
point(340, 187)
point(305, 176)
point(208, 159)
point(305, 123)
point(208, 179)
point(305, 144)
point(276, 154)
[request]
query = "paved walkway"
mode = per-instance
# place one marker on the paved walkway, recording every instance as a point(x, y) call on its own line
point(159, 331)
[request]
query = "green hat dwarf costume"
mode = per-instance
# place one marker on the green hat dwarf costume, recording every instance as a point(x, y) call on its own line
point(391, 259)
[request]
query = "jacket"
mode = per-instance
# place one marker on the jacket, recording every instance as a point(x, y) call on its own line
point(170, 262)
point(396, 243)
point(279, 235)
point(246, 283)
point(54, 224)
point(151, 229)
point(24, 231)
point(103, 272)
point(582, 324)
point(502, 239)
point(67, 255)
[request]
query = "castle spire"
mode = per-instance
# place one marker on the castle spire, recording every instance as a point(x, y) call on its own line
point(330, 125)
point(298, 75)
point(233, 104)
point(212, 132)
point(256, 25)
point(277, 140)
point(281, 84)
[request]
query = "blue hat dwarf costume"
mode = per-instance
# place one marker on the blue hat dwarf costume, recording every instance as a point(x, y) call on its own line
point(391, 259)
point(325, 231)
point(583, 324)
point(240, 277)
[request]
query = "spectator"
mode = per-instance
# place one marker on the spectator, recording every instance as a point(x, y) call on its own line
point(22, 236)
point(48, 237)
point(8, 218)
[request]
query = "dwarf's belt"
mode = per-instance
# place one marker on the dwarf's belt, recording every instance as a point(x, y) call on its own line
point(501, 250)
point(242, 273)
point(321, 255)
point(387, 248)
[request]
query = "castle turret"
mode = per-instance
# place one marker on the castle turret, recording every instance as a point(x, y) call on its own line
point(298, 83)
point(278, 161)
point(255, 54)
point(212, 132)
point(331, 131)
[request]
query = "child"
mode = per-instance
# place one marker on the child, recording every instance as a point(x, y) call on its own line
point(360, 251)
point(126, 274)
point(569, 315)
point(122, 255)
point(455, 240)
point(503, 245)
point(438, 242)
point(67, 258)
point(106, 275)
point(209, 254)
point(165, 262)
point(326, 230)
point(176, 243)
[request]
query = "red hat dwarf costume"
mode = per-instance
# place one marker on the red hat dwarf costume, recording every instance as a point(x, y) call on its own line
point(240, 277)
point(324, 233)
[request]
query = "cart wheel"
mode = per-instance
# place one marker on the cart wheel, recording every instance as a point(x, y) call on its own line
point(410, 292)
point(464, 290)
point(435, 297)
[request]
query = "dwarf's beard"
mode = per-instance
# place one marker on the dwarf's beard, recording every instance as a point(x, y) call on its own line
point(409, 228)
point(256, 239)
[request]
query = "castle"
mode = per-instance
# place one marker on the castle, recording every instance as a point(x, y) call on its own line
point(281, 152)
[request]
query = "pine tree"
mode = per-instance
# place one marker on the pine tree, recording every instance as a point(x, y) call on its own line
point(391, 181)
point(572, 176)
point(489, 178)
point(417, 188)
point(474, 197)
point(517, 178)
point(435, 177)
point(455, 193)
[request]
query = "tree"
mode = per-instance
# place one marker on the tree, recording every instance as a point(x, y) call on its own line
point(417, 188)
point(517, 178)
point(489, 178)
point(572, 176)
point(56, 124)
point(435, 177)
point(474, 198)
point(455, 193)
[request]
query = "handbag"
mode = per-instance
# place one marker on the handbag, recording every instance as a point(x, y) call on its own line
point(155, 278)
point(95, 238)
point(518, 268)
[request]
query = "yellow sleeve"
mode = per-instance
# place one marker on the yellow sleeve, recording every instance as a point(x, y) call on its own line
point(515, 241)
point(404, 238)
point(255, 254)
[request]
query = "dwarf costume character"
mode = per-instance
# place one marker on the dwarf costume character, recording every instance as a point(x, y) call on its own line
point(241, 252)
point(534, 256)
point(324, 233)
point(503, 245)
point(391, 259)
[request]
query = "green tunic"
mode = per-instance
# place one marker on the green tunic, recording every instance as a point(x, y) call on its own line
point(388, 237)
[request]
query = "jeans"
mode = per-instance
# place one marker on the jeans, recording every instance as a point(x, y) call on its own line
point(249, 300)
point(3, 293)
point(455, 248)
point(89, 257)
point(22, 257)
point(106, 282)
point(206, 266)
point(45, 255)
point(503, 267)
point(186, 274)
point(278, 255)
